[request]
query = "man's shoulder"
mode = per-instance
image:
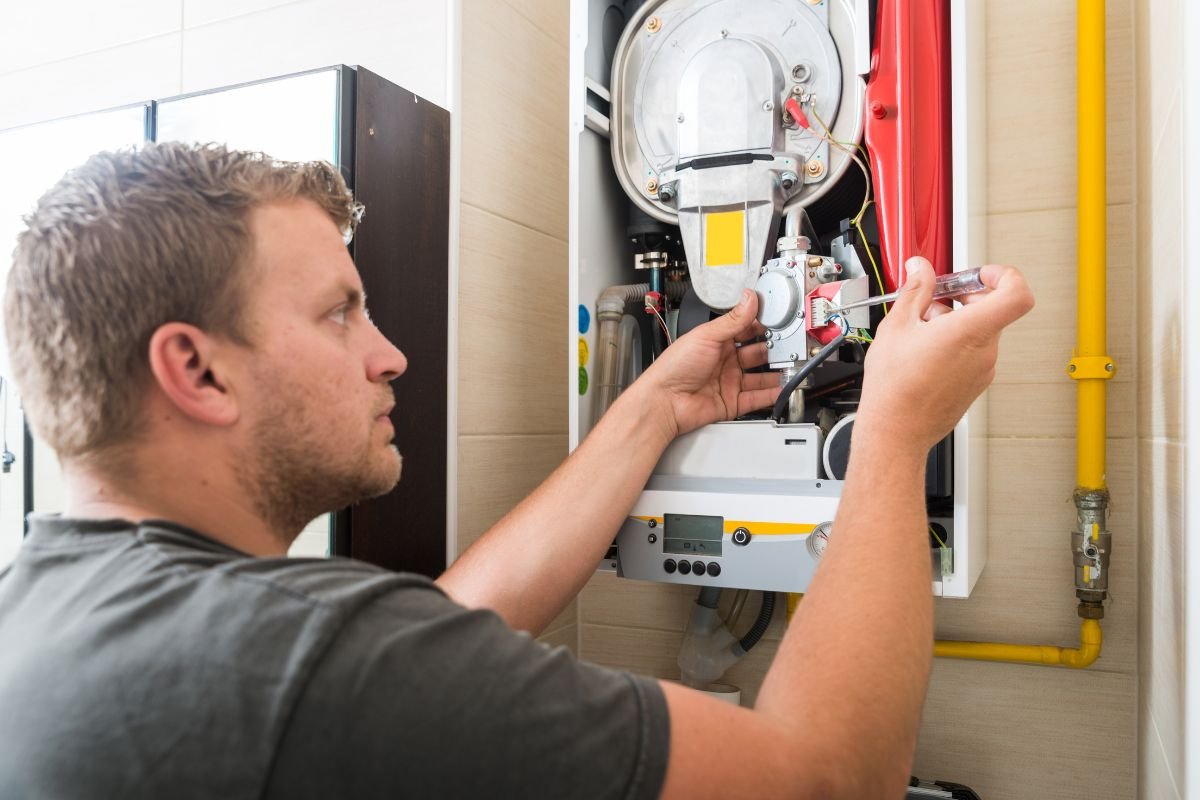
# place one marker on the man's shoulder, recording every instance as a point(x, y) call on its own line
point(330, 582)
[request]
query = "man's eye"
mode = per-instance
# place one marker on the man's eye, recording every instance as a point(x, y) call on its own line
point(338, 315)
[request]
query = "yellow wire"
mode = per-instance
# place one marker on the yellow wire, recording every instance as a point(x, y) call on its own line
point(940, 540)
point(874, 266)
point(857, 221)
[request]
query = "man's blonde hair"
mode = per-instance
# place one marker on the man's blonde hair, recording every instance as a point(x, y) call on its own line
point(123, 244)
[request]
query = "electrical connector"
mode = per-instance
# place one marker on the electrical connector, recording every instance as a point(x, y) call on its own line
point(821, 309)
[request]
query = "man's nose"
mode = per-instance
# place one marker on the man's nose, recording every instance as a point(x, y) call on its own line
point(387, 362)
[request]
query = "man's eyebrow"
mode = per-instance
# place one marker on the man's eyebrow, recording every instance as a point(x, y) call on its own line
point(355, 297)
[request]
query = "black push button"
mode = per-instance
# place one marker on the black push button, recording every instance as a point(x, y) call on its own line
point(685, 568)
point(669, 566)
point(698, 567)
point(741, 536)
point(714, 569)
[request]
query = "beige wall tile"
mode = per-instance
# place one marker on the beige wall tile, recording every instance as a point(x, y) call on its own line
point(609, 600)
point(514, 130)
point(567, 618)
point(512, 312)
point(497, 472)
point(1043, 243)
point(567, 637)
point(1014, 732)
point(1031, 104)
point(1048, 410)
point(643, 651)
point(552, 16)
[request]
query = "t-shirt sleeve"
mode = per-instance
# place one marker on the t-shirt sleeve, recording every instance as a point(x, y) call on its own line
point(419, 697)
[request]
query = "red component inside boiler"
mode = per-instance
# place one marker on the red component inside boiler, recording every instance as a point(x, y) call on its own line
point(908, 134)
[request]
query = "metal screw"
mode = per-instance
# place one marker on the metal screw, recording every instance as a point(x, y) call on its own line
point(770, 344)
point(1070, 368)
point(814, 351)
point(813, 261)
point(679, 119)
point(768, 105)
point(815, 169)
point(665, 194)
point(652, 186)
point(654, 25)
point(788, 179)
point(724, 34)
point(801, 72)
point(798, 90)
point(1109, 367)
point(793, 357)
point(370, 131)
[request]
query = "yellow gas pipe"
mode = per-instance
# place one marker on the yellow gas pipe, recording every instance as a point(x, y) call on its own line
point(1090, 368)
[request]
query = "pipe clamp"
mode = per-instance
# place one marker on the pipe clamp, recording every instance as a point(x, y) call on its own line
point(1091, 367)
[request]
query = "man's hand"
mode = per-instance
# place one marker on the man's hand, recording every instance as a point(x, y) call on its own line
point(699, 379)
point(928, 363)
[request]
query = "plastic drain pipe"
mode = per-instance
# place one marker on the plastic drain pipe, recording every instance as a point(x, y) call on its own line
point(1091, 368)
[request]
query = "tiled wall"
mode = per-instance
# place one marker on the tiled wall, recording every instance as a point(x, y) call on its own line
point(512, 406)
point(65, 57)
point(1160, 433)
point(1009, 731)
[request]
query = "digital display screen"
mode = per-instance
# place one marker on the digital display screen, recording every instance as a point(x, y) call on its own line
point(692, 535)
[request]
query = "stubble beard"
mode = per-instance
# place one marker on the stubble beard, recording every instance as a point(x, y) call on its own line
point(293, 477)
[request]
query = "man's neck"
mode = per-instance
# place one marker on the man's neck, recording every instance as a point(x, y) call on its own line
point(211, 504)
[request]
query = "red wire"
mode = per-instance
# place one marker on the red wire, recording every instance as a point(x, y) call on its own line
point(792, 106)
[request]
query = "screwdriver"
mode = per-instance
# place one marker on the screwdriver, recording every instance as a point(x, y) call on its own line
point(946, 287)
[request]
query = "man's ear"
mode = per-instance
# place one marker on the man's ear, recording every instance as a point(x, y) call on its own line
point(183, 360)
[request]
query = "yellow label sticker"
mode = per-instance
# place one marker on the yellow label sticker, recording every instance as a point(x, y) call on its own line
point(724, 238)
point(583, 352)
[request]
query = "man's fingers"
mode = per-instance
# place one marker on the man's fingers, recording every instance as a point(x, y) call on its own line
point(736, 324)
point(936, 309)
point(755, 399)
point(752, 355)
point(1009, 299)
point(917, 293)
point(760, 380)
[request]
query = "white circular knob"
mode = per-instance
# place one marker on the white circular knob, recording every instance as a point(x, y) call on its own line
point(777, 300)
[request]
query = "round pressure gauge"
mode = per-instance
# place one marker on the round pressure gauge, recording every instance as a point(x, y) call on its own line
point(818, 540)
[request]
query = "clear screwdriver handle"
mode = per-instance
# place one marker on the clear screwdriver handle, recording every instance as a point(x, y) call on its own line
point(956, 284)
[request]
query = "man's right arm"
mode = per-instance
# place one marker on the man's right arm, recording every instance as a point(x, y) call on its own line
point(838, 712)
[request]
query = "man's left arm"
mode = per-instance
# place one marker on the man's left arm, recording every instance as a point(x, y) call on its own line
point(530, 564)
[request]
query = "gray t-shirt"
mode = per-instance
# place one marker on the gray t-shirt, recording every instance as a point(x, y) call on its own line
point(150, 661)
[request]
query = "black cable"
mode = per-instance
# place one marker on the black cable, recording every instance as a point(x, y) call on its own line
point(779, 413)
point(765, 612)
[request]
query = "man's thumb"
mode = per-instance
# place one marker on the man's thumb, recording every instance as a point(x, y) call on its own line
point(917, 292)
point(736, 319)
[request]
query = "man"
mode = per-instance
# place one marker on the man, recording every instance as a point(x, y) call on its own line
point(189, 334)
